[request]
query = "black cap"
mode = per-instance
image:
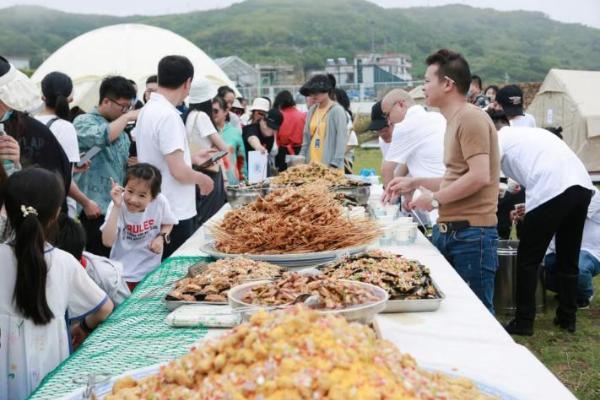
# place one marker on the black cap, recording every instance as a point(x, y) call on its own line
point(378, 120)
point(498, 115)
point(510, 97)
point(274, 118)
point(317, 84)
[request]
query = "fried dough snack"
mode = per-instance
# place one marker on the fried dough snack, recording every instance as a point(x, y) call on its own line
point(292, 220)
point(310, 173)
point(333, 294)
point(296, 354)
point(215, 279)
point(401, 278)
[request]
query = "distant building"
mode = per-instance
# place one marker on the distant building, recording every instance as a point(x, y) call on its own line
point(275, 75)
point(19, 62)
point(343, 72)
point(379, 68)
point(239, 71)
point(370, 69)
point(257, 75)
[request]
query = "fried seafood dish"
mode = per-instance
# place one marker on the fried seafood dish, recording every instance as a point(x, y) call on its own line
point(333, 294)
point(314, 172)
point(292, 220)
point(296, 354)
point(215, 279)
point(403, 279)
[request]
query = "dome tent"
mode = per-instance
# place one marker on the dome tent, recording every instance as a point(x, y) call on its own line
point(130, 50)
point(569, 99)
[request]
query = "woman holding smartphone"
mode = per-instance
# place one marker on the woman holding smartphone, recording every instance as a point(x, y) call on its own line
point(202, 134)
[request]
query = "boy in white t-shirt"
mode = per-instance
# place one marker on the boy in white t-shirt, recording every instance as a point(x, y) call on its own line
point(139, 221)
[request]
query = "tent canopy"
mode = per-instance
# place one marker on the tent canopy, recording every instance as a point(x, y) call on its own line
point(583, 87)
point(569, 99)
point(130, 50)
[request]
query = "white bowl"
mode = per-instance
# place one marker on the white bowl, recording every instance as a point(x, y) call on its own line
point(363, 313)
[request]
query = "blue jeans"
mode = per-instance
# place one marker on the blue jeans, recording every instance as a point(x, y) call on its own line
point(473, 252)
point(589, 266)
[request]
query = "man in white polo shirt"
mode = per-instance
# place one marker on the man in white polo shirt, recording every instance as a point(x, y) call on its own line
point(417, 147)
point(162, 141)
point(558, 194)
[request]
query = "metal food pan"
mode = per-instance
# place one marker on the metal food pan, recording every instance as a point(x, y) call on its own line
point(173, 304)
point(193, 271)
point(418, 305)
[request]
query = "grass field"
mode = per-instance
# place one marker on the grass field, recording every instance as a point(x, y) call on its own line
point(574, 359)
point(367, 158)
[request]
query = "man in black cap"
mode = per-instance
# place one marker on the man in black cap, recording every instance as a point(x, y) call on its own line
point(510, 100)
point(260, 136)
point(381, 125)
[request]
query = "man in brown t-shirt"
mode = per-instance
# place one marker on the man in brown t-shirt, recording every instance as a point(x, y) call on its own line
point(467, 194)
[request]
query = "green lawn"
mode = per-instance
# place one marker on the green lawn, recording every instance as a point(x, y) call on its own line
point(574, 359)
point(367, 158)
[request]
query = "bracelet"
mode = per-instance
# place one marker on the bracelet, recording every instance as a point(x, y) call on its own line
point(85, 327)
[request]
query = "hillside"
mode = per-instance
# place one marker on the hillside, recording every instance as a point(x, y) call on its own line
point(523, 45)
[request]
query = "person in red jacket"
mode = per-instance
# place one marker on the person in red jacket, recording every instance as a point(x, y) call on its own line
point(289, 137)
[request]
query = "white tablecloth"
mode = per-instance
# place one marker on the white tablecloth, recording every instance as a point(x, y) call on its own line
point(461, 337)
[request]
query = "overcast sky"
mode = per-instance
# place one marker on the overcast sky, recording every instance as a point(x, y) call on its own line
point(582, 11)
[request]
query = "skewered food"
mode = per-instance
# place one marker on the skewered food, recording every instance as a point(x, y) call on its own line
point(292, 220)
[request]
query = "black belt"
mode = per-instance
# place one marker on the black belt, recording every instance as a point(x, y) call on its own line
point(453, 226)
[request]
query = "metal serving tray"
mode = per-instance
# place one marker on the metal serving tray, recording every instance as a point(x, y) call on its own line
point(419, 305)
point(193, 271)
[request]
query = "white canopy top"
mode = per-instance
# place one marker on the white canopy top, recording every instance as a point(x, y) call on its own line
point(129, 50)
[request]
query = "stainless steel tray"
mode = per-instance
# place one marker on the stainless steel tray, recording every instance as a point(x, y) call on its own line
point(238, 197)
point(419, 305)
point(360, 194)
point(193, 271)
point(291, 261)
point(173, 304)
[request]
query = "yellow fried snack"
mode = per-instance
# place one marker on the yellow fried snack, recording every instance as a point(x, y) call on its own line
point(297, 354)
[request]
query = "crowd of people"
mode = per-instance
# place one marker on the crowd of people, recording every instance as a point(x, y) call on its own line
point(450, 166)
point(93, 201)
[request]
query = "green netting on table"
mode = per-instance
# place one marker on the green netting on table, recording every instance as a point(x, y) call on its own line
point(134, 336)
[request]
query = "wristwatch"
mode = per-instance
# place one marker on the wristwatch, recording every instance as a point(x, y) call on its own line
point(166, 237)
point(434, 202)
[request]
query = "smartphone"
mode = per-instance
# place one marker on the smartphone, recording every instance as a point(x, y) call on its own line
point(213, 159)
point(88, 156)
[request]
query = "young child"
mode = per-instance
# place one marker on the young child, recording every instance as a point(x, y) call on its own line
point(139, 221)
point(40, 285)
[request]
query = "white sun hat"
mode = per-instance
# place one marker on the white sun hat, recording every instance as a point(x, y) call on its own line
point(18, 92)
point(260, 104)
point(202, 90)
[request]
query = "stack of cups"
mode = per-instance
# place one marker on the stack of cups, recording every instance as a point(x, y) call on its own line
point(406, 231)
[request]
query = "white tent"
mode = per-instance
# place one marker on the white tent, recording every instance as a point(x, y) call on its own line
point(569, 99)
point(130, 50)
